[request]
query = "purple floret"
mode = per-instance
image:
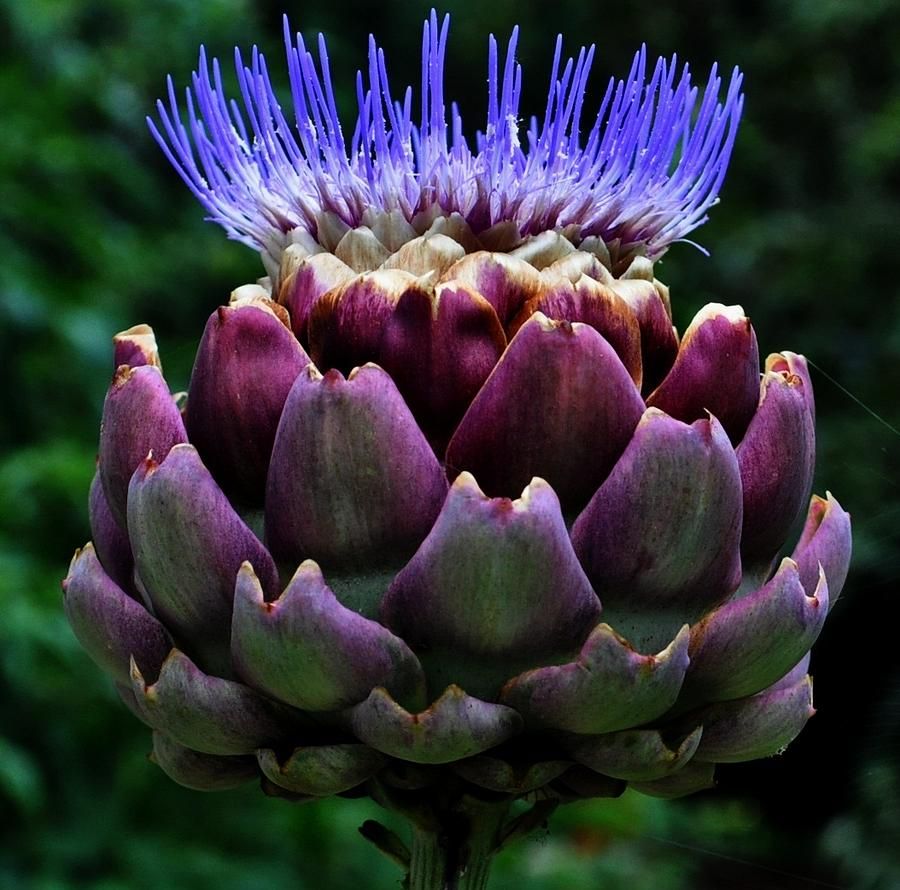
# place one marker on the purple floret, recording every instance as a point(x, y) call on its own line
point(642, 177)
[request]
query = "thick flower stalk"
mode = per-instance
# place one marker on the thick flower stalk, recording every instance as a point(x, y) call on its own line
point(366, 554)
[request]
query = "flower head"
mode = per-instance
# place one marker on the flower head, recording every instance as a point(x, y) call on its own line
point(641, 175)
point(451, 515)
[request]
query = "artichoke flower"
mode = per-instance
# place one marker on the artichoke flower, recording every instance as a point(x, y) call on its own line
point(450, 514)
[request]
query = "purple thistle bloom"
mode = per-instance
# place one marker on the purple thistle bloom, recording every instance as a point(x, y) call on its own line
point(520, 538)
point(643, 175)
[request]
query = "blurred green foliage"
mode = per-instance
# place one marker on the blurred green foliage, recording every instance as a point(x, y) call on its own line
point(96, 233)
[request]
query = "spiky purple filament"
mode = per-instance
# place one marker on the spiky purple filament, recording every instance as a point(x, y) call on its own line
point(649, 169)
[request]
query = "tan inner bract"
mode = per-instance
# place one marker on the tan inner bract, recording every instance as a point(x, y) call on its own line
point(433, 245)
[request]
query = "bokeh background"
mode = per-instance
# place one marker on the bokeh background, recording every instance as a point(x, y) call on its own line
point(96, 234)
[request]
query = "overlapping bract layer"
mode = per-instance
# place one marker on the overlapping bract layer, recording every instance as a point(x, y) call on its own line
point(412, 604)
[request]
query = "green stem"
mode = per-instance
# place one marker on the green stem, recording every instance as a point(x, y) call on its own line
point(427, 862)
point(455, 852)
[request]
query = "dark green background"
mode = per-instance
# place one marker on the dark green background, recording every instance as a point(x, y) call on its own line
point(96, 234)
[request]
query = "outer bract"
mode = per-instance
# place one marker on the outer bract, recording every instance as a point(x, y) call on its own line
point(451, 513)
